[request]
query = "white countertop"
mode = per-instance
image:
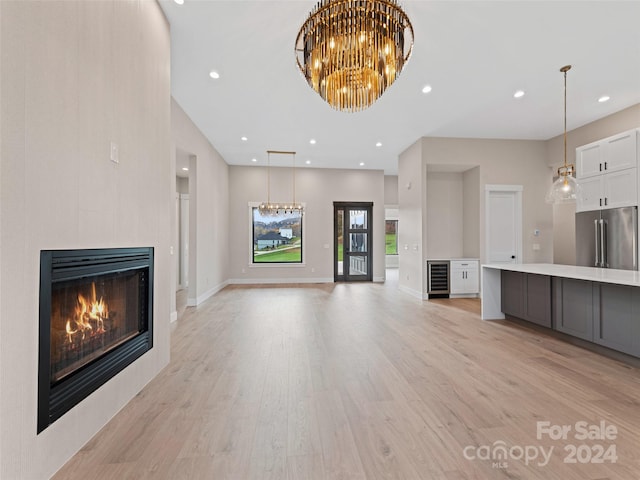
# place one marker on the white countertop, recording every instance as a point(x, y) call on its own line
point(592, 274)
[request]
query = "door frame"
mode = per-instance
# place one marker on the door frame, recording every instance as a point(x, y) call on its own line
point(368, 206)
point(517, 191)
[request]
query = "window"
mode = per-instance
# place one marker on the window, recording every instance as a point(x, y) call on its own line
point(391, 236)
point(277, 239)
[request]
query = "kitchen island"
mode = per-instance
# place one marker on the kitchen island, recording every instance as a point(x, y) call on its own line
point(595, 304)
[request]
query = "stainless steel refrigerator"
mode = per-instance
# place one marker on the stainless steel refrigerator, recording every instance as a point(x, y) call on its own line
point(608, 238)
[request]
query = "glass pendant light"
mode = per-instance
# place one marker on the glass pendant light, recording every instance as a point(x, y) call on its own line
point(565, 189)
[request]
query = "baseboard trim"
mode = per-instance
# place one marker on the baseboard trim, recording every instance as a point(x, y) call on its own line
point(194, 302)
point(411, 291)
point(275, 281)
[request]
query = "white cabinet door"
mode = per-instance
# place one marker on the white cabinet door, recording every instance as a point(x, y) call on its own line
point(615, 189)
point(620, 189)
point(621, 151)
point(591, 194)
point(612, 154)
point(464, 277)
point(589, 160)
point(457, 281)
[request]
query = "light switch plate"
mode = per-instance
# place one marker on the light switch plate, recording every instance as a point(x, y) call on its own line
point(114, 153)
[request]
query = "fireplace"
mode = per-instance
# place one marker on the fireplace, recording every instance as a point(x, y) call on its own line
point(96, 318)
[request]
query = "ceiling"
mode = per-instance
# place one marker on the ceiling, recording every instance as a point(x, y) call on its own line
point(474, 54)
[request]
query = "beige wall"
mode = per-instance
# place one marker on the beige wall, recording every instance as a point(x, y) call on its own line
point(411, 205)
point(76, 76)
point(504, 162)
point(391, 190)
point(444, 215)
point(507, 162)
point(564, 215)
point(317, 189)
point(471, 213)
point(208, 205)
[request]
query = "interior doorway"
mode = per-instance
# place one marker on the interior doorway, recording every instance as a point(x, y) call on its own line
point(184, 234)
point(353, 241)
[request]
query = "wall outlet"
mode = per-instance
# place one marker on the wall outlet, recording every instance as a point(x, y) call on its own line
point(536, 246)
point(313, 270)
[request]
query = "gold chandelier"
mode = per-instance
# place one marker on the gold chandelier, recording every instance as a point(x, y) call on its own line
point(270, 208)
point(351, 51)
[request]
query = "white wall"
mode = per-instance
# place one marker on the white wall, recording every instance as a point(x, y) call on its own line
point(209, 207)
point(444, 215)
point(76, 76)
point(317, 189)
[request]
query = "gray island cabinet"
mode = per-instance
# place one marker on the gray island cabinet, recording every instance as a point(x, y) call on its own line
point(527, 296)
point(597, 305)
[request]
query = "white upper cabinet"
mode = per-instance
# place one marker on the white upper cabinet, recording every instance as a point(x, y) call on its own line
point(589, 160)
point(621, 151)
point(607, 172)
point(612, 154)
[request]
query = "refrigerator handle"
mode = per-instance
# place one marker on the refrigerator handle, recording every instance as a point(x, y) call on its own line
point(596, 229)
point(603, 244)
point(634, 247)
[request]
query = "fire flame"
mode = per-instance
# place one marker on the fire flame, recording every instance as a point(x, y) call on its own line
point(89, 316)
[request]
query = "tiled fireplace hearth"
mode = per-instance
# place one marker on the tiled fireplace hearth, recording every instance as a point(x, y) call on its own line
point(96, 318)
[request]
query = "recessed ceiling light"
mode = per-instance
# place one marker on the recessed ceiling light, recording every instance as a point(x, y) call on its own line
point(179, 2)
point(185, 169)
point(362, 164)
point(308, 162)
point(379, 144)
point(244, 139)
point(213, 74)
point(426, 89)
point(518, 94)
point(254, 159)
point(312, 141)
point(604, 98)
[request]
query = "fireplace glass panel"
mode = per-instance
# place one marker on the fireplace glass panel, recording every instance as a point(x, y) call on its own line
point(92, 316)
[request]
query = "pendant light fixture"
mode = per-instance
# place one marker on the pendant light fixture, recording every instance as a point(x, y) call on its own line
point(271, 209)
point(565, 189)
point(351, 51)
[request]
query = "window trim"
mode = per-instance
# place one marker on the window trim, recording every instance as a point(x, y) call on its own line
point(253, 264)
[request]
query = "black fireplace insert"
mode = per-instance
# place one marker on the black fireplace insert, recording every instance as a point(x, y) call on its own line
point(96, 318)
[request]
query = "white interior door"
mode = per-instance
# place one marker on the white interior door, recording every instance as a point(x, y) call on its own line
point(503, 223)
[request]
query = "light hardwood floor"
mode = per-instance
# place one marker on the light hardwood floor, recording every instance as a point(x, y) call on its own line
point(361, 381)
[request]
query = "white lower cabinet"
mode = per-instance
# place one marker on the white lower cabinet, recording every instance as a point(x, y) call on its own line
point(464, 277)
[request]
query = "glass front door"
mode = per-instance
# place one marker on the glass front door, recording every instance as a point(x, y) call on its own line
point(352, 241)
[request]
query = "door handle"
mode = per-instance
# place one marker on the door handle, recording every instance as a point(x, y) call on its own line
point(513, 257)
